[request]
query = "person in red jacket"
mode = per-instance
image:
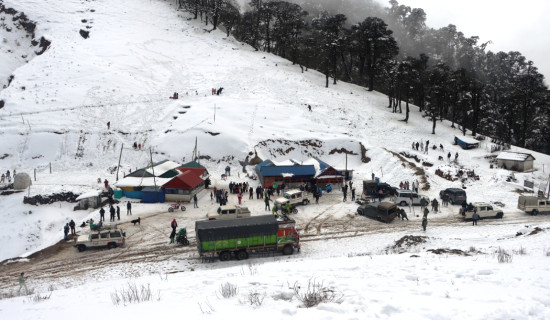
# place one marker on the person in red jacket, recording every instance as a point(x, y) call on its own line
point(174, 225)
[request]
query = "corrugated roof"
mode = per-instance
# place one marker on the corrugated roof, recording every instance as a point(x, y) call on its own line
point(188, 179)
point(141, 182)
point(514, 156)
point(192, 164)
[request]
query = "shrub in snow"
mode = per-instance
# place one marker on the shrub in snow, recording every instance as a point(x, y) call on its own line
point(228, 290)
point(503, 256)
point(316, 293)
point(254, 298)
point(133, 294)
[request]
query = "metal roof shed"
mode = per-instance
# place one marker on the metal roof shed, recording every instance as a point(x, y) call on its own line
point(516, 161)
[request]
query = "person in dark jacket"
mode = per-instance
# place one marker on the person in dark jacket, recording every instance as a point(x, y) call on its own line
point(112, 211)
point(72, 225)
point(195, 201)
point(101, 214)
point(118, 212)
point(128, 208)
point(424, 222)
point(172, 235)
point(66, 231)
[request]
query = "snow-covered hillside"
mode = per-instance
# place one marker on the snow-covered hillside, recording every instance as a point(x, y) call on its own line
point(138, 53)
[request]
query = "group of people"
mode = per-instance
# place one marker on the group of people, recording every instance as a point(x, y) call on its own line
point(217, 91)
point(69, 226)
point(6, 177)
point(137, 146)
point(423, 148)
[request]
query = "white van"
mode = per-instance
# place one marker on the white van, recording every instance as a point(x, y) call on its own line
point(403, 197)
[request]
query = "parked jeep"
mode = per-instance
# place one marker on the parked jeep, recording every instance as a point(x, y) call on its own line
point(383, 211)
point(229, 212)
point(483, 209)
point(294, 196)
point(456, 195)
point(110, 238)
point(533, 205)
point(403, 197)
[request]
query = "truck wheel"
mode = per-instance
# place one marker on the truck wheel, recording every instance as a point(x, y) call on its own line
point(241, 255)
point(170, 209)
point(81, 248)
point(499, 215)
point(305, 202)
point(403, 203)
point(535, 212)
point(294, 210)
point(111, 246)
point(288, 250)
point(182, 208)
point(225, 256)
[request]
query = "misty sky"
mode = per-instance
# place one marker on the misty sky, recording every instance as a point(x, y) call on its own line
point(522, 26)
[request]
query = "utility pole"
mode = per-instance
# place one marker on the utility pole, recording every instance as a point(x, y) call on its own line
point(119, 157)
point(153, 169)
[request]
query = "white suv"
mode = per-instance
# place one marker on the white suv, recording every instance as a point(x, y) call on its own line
point(294, 196)
point(403, 197)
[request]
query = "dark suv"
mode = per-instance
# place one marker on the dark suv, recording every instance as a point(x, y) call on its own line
point(383, 211)
point(456, 195)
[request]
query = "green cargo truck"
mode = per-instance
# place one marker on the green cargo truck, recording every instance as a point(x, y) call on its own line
point(239, 237)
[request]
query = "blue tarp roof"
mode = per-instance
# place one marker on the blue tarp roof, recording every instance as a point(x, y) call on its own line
point(298, 170)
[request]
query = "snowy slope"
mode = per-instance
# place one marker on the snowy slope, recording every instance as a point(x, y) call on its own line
point(139, 52)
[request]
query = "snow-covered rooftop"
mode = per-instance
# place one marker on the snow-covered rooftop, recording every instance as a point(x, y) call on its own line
point(514, 156)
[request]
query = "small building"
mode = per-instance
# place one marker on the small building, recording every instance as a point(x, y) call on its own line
point(466, 142)
point(185, 185)
point(515, 161)
point(153, 176)
point(293, 173)
point(289, 172)
point(90, 199)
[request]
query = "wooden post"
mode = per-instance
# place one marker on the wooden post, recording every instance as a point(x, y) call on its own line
point(34, 174)
point(50, 169)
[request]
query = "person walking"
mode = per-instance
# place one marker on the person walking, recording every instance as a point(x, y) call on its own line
point(108, 125)
point(128, 208)
point(449, 156)
point(353, 194)
point(195, 200)
point(174, 225)
point(345, 192)
point(101, 214)
point(251, 193)
point(456, 157)
point(66, 231)
point(118, 212)
point(266, 200)
point(240, 197)
point(424, 222)
point(22, 283)
point(426, 211)
point(172, 235)
point(475, 217)
point(403, 214)
point(72, 225)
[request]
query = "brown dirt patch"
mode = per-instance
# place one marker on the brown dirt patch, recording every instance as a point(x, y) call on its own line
point(457, 252)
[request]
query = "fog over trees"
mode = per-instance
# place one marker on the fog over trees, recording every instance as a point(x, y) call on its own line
point(390, 49)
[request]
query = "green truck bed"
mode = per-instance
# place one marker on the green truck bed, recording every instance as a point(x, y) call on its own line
point(217, 235)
